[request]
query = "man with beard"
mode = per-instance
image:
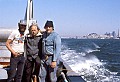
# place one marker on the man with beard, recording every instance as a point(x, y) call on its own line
point(33, 50)
point(15, 45)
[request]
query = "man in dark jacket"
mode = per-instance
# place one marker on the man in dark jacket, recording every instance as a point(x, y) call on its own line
point(32, 48)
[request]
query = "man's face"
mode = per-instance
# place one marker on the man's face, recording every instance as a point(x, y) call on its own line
point(49, 29)
point(34, 30)
point(22, 28)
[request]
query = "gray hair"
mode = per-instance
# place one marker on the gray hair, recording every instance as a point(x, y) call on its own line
point(34, 25)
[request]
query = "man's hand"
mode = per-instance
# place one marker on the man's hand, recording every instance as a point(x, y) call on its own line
point(15, 54)
point(53, 64)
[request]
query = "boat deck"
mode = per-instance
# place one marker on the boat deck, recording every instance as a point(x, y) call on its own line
point(65, 73)
point(71, 75)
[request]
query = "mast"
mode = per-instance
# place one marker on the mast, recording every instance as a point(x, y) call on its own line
point(28, 14)
point(28, 17)
point(118, 34)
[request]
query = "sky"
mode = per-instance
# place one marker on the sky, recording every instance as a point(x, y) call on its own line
point(70, 17)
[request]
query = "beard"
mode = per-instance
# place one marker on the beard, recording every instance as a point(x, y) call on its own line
point(21, 32)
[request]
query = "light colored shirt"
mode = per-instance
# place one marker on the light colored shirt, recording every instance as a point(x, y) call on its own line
point(18, 41)
point(52, 44)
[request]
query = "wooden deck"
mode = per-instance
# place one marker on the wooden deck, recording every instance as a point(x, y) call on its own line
point(5, 64)
point(5, 61)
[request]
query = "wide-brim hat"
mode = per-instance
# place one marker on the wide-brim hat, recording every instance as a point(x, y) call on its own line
point(23, 22)
point(48, 24)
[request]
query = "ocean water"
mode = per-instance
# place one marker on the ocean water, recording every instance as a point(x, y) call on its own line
point(96, 60)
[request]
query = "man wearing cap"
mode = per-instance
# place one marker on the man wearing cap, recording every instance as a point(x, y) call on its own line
point(51, 47)
point(15, 45)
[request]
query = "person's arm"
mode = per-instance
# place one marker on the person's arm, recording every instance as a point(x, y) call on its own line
point(57, 49)
point(8, 42)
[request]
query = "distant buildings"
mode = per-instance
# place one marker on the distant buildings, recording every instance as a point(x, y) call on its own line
point(112, 35)
point(107, 35)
